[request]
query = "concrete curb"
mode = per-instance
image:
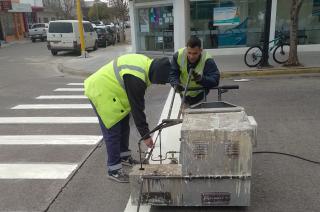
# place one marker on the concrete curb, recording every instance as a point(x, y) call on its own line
point(268, 72)
point(225, 74)
point(72, 71)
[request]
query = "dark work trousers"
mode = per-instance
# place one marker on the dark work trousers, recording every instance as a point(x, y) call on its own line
point(117, 142)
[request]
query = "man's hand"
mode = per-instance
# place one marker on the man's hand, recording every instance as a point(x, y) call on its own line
point(196, 77)
point(178, 88)
point(148, 142)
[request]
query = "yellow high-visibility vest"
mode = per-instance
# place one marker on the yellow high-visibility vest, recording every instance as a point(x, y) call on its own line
point(105, 88)
point(183, 63)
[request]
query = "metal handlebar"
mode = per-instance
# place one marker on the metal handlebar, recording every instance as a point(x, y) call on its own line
point(221, 89)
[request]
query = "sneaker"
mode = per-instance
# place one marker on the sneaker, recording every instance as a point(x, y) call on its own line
point(119, 176)
point(129, 161)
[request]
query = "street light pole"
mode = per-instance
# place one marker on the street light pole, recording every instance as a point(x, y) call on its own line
point(80, 27)
point(265, 50)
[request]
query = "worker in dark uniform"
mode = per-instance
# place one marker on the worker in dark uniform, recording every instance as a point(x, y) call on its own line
point(205, 74)
point(116, 90)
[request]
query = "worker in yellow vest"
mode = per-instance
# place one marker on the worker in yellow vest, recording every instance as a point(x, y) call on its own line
point(205, 72)
point(116, 90)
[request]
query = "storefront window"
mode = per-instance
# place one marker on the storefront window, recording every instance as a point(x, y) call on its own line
point(155, 32)
point(8, 24)
point(227, 23)
point(309, 20)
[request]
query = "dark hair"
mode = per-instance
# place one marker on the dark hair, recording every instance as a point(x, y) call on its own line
point(193, 42)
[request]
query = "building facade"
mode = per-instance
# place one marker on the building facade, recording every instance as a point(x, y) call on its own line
point(223, 26)
point(13, 23)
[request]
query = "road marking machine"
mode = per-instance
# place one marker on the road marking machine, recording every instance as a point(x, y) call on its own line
point(214, 164)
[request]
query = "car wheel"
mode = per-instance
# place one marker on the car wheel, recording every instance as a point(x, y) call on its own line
point(54, 52)
point(33, 40)
point(95, 46)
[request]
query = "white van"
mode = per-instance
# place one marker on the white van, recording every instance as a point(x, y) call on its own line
point(63, 35)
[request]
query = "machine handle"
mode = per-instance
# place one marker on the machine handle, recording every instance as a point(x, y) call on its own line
point(229, 87)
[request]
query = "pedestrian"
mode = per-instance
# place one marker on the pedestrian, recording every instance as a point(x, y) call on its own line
point(116, 90)
point(205, 75)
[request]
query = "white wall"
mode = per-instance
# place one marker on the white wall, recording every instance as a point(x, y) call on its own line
point(33, 3)
point(181, 15)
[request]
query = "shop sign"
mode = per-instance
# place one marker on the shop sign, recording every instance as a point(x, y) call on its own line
point(20, 8)
point(224, 16)
point(5, 5)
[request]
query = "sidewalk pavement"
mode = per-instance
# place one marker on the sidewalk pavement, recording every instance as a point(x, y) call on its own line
point(229, 65)
point(7, 44)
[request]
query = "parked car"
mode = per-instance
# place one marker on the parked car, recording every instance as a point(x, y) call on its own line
point(97, 23)
point(102, 35)
point(38, 31)
point(111, 36)
point(63, 35)
point(105, 36)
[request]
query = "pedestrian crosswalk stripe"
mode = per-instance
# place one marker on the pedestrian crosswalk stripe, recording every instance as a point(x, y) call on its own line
point(48, 120)
point(36, 171)
point(62, 97)
point(49, 139)
point(76, 83)
point(53, 106)
point(69, 89)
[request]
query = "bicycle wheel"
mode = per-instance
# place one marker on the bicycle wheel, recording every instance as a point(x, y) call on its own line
point(253, 56)
point(281, 53)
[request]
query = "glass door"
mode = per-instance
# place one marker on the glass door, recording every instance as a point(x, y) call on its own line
point(155, 32)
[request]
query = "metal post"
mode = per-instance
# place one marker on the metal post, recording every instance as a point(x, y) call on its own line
point(265, 50)
point(80, 26)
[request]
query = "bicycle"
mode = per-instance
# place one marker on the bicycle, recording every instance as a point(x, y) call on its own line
point(253, 56)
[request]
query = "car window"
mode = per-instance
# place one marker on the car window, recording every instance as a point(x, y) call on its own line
point(100, 30)
point(60, 27)
point(35, 26)
point(88, 27)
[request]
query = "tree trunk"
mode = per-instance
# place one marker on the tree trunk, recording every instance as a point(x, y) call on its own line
point(294, 18)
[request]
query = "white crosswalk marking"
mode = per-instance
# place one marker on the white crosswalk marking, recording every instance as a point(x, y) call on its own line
point(48, 120)
point(69, 89)
point(76, 83)
point(49, 140)
point(62, 97)
point(36, 171)
point(52, 106)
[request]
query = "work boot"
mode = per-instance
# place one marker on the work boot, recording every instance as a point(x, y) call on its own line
point(129, 161)
point(119, 176)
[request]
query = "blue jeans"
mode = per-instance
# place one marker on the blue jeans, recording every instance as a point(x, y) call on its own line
point(117, 142)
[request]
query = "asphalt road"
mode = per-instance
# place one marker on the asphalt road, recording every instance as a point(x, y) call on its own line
point(286, 109)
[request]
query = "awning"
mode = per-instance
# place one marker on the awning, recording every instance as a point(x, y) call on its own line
point(20, 8)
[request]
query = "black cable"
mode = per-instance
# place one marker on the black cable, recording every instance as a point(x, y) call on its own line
point(287, 154)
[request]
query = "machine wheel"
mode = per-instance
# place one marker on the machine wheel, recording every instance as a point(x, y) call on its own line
point(95, 46)
point(54, 52)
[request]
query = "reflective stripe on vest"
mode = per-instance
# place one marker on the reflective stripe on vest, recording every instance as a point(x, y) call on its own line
point(117, 69)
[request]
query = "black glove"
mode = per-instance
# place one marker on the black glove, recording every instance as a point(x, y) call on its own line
point(196, 77)
point(178, 88)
